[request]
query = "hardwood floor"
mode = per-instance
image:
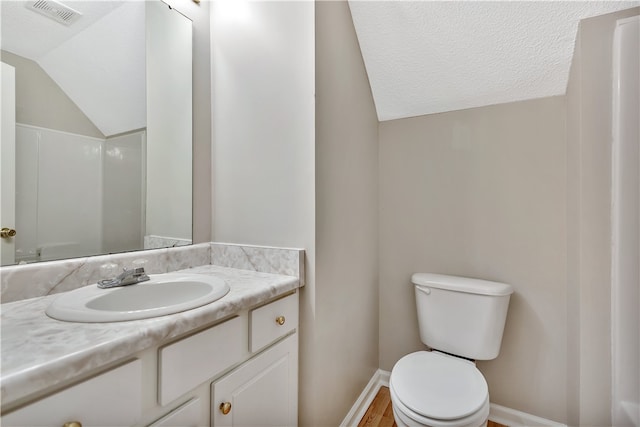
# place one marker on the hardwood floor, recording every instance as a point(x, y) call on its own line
point(380, 413)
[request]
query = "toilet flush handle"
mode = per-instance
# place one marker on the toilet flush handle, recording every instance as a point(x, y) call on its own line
point(424, 289)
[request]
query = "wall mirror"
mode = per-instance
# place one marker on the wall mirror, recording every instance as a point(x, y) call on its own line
point(97, 153)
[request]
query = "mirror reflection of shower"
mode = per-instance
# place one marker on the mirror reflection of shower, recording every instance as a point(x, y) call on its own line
point(75, 193)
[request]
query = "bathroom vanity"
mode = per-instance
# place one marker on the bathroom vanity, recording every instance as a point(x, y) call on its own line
point(231, 362)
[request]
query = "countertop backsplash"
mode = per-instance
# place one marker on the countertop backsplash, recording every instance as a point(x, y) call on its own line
point(25, 281)
point(288, 262)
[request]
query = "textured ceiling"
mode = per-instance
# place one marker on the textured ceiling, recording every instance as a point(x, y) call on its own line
point(32, 35)
point(426, 57)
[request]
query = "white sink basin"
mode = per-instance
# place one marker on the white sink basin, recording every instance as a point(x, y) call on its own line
point(164, 294)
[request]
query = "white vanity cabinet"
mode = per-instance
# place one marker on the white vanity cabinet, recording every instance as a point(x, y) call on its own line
point(109, 399)
point(258, 350)
point(264, 390)
point(249, 360)
point(261, 392)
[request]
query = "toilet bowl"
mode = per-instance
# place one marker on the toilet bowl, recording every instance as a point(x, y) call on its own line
point(433, 389)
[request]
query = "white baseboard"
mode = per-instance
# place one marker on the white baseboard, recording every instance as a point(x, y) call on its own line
point(380, 378)
point(512, 418)
point(499, 414)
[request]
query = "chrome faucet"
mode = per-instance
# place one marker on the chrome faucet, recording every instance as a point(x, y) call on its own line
point(126, 278)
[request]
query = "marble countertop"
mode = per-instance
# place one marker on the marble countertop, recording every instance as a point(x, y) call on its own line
point(38, 353)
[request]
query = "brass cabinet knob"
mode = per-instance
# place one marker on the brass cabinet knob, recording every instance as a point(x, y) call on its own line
point(225, 408)
point(280, 320)
point(73, 424)
point(7, 232)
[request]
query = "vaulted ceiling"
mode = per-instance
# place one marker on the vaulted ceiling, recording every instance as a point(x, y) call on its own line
point(422, 57)
point(425, 57)
point(98, 60)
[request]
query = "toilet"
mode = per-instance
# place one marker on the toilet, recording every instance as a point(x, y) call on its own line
point(461, 320)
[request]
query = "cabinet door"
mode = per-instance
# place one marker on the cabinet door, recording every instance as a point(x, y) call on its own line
point(110, 399)
point(262, 392)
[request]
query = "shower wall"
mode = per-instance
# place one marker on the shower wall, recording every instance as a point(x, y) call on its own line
point(589, 183)
point(61, 179)
point(123, 217)
point(625, 260)
point(58, 174)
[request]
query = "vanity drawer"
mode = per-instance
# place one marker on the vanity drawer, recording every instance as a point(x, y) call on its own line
point(112, 398)
point(185, 364)
point(272, 321)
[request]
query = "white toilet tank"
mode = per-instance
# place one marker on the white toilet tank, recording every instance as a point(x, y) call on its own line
point(460, 315)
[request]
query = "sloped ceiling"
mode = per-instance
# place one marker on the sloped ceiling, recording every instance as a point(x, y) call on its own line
point(425, 57)
point(99, 61)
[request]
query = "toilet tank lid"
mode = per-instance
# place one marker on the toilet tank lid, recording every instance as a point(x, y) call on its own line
point(461, 284)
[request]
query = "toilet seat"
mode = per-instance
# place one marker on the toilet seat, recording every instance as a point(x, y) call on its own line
point(440, 388)
point(404, 417)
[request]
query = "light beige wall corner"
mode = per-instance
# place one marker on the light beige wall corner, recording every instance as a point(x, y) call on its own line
point(281, 181)
point(481, 193)
point(589, 189)
point(199, 14)
point(345, 347)
point(41, 102)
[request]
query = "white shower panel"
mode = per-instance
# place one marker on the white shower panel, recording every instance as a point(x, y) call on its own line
point(26, 193)
point(122, 195)
point(625, 298)
point(69, 195)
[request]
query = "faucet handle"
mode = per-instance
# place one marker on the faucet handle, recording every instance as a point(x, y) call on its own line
point(137, 271)
point(132, 272)
point(140, 275)
point(109, 269)
point(127, 277)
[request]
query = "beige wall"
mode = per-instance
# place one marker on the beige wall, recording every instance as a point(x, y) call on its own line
point(481, 193)
point(509, 192)
point(345, 347)
point(41, 102)
point(588, 183)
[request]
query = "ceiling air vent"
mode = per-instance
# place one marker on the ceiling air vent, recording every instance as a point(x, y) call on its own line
point(55, 10)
